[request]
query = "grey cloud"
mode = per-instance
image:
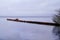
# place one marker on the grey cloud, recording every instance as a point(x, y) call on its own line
point(28, 7)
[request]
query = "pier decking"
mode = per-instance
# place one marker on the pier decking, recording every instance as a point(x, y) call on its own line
point(34, 22)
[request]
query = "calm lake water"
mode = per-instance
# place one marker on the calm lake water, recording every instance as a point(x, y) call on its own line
point(10, 30)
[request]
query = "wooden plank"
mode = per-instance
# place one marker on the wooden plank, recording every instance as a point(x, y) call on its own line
point(34, 22)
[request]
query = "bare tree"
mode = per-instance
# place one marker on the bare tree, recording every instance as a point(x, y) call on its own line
point(56, 29)
point(56, 18)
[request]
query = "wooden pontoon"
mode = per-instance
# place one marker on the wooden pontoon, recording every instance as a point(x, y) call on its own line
point(34, 22)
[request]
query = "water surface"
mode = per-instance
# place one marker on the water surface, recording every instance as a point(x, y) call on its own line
point(10, 30)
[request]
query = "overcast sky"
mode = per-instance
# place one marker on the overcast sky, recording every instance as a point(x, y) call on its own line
point(28, 7)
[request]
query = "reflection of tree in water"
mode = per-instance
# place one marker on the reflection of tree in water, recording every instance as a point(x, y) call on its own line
point(56, 29)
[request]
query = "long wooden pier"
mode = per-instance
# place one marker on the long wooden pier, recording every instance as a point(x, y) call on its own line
point(34, 22)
